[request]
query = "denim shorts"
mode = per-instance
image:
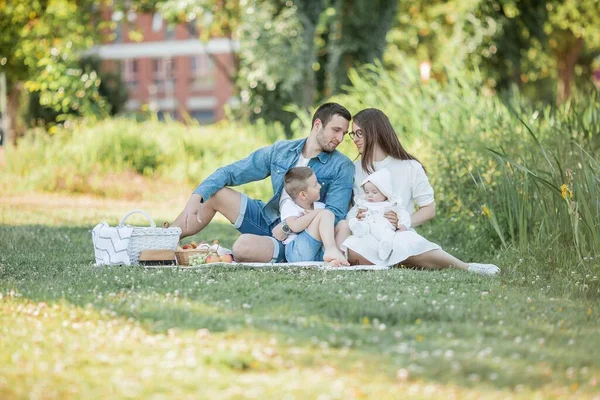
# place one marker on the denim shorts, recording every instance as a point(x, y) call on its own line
point(304, 248)
point(251, 220)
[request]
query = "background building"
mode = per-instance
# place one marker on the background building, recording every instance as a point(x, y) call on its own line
point(170, 70)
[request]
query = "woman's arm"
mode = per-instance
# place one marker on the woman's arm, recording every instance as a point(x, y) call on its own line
point(423, 214)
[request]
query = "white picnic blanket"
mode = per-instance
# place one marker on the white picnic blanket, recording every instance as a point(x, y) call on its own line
point(306, 264)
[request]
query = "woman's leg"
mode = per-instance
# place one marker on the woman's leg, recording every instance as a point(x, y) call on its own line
point(321, 228)
point(342, 232)
point(436, 259)
point(356, 259)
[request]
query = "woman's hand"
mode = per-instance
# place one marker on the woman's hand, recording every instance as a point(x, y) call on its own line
point(392, 217)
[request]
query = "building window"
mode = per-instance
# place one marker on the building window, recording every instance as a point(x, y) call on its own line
point(118, 33)
point(170, 33)
point(202, 72)
point(157, 23)
point(165, 115)
point(163, 75)
point(130, 70)
point(203, 116)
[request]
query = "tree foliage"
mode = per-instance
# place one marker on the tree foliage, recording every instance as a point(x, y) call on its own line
point(41, 42)
point(527, 43)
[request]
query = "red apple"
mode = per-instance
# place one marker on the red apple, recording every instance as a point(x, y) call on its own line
point(226, 258)
point(213, 258)
point(187, 247)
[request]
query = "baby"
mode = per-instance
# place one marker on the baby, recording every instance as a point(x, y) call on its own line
point(377, 199)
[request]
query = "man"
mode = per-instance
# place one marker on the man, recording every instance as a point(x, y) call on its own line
point(256, 220)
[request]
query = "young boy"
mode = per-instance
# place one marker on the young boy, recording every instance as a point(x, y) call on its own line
point(307, 220)
point(376, 199)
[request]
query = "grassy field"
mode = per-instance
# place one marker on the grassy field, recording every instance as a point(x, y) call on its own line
point(71, 330)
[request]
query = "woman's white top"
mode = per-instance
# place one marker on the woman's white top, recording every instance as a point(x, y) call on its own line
point(409, 181)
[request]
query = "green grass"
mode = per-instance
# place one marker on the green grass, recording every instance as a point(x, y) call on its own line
point(71, 330)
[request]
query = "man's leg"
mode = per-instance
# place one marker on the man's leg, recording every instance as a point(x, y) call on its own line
point(255, 248)
point(321, 228)
point(226, 201)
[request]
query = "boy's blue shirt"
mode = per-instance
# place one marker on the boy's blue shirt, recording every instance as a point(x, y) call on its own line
point(334, 171)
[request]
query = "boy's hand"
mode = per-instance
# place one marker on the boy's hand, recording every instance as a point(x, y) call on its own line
point(402, 228)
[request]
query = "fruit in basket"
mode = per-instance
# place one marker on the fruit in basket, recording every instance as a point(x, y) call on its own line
point(187, 247)
point(226, 258)
point(198, 259)
point(194, 244)
point(213, 258)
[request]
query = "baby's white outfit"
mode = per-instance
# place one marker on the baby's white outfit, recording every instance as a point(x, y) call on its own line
point(375, 223)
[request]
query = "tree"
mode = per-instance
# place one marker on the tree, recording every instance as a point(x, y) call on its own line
point(40, 45)
point(358, 36)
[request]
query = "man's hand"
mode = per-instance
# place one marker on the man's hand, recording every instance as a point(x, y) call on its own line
point(192, 210)
point(278, 233)
point(402, 228)
point(392, 217)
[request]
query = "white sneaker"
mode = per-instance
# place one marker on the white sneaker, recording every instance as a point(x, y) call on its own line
point(484, 269)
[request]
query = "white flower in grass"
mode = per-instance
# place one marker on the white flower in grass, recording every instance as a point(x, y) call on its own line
point(402, 374)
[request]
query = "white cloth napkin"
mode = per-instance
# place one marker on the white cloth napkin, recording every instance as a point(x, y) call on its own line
point(110, 244)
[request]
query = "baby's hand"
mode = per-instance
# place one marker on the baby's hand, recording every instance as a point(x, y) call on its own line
point(362, 213)
point(402, 228)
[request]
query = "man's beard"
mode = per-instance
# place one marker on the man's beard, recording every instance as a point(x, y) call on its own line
point(324, 146)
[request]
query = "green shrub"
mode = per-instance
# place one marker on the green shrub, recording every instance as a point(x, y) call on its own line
point(72, 159)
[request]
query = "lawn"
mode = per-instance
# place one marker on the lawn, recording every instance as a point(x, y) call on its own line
point(72, 330)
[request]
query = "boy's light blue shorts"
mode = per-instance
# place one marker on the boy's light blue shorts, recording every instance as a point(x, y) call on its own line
point(304, 248)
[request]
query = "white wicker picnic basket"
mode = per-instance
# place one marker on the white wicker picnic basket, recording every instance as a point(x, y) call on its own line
point(149, 238)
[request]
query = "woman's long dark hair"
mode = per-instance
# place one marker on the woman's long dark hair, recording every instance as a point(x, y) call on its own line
point(377, 130)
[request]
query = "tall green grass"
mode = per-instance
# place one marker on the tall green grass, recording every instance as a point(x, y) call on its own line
point(519, 177)
point(93, 158)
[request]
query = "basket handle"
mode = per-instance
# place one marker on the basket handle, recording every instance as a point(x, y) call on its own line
point(152, 223)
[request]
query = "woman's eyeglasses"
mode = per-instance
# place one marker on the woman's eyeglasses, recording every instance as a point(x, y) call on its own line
point(356, 135)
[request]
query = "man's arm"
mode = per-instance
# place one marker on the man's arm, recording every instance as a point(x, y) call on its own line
point(340, 192)
point(255, 167)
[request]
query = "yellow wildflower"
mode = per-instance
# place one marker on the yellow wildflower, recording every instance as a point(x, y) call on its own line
point(365, 321)
point(486, 211)
point(565, 191)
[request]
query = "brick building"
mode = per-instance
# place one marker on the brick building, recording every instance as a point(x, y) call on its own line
point(171, 70)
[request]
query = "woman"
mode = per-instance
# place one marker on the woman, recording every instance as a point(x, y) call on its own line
point(379, 148)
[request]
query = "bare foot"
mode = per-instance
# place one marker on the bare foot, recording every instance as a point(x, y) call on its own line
point(334, 254)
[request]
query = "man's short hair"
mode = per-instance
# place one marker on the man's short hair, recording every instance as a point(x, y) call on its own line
point(296, 180)
point(326, 111)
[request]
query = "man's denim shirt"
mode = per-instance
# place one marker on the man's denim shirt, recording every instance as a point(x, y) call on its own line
point(334, 171)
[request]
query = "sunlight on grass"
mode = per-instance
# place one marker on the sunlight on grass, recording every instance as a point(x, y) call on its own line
point(61, 351)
